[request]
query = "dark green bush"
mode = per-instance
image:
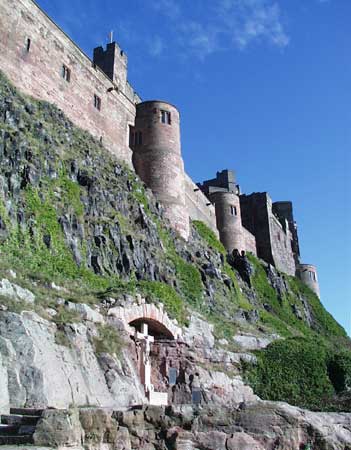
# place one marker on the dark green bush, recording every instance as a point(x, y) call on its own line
point(293, 370)
point(339, 370)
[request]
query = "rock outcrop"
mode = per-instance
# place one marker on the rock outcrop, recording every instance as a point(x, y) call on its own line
point(256, 426)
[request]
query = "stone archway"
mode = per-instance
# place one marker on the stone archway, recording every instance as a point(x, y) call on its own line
point(147, 323)
point(157, 319)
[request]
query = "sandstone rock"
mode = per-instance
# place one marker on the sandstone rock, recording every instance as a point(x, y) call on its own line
point(15, 292)
point(211, 440)
point(98, 425)
point(199, 333)
point(242, 441)
point(86, 312)
point(249, 342)
point(122, 441)
point(59, 428)
point(42, 373)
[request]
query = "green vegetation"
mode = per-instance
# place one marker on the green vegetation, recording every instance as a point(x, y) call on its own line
point(281, 316)
point(189, 279)
point(164, 293)
point(209, 236)
point(300, 371)
point(108, 341)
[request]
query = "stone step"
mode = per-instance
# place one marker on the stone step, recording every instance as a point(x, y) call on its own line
point(16, 419)
point(8, 430)
point(16, 440)
point(26, 411)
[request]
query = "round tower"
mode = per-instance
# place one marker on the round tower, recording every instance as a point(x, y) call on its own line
point(308, 275)
point(157, 159)
point(228, 216)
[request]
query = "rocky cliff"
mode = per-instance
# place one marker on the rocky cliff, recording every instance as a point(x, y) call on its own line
point(82, 239)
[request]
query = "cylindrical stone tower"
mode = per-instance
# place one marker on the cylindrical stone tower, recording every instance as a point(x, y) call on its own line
point(158, 161)
point(228, 216)
point(308, 275)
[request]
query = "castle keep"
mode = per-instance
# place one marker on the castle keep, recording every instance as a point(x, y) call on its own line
point(44, 62)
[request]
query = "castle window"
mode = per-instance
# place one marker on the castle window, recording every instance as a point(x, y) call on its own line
point(131, 136)
point(66, 73)
point(138, 138)
point(97, 102)
point(233, 211)
point(166, 117)
point(28, 45)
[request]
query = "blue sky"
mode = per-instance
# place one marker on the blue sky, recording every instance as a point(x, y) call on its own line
point(263, 87)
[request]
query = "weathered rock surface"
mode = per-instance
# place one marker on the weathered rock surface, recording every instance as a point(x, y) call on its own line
point(15, 292)
point(4, 391)
point(42, 373)
point(249, 342)
point(255, 426)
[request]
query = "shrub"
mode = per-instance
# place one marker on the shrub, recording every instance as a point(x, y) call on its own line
point(292, 370)
point(339, 370)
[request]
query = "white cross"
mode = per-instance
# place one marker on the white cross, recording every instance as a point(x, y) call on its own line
point(145, 366)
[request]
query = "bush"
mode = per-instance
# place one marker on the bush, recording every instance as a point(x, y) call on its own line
point(292, 370)
point(339, 371)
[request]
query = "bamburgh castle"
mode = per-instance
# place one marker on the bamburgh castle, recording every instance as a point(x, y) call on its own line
point(44, 62)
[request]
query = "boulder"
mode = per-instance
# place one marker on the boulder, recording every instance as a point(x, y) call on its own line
point(15, 292)
point(199, 333)
point(249, 342)
point(242, 441)
point(86, 312)
point(59, 428)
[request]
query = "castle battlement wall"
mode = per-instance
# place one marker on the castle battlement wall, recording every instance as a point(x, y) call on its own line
point(198, 205)
point(44, 62)
point(274, 242)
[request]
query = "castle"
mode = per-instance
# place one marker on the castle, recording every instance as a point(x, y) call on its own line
point(44, 62)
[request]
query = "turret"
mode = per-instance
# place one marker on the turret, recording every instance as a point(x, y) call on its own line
point(223, 191)
point(228, 217)
point(308, 275)
point(155, 141)
point(113, 62)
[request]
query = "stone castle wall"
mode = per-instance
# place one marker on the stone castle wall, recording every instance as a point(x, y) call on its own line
point(281, 246)
point(198, 205)
point(38, 72)
point(250, 241)
point(274, 243)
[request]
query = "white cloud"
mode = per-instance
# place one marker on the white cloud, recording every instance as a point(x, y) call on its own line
point(246, 21)
point(223, 24)
point(170, 8)
point(156, 46)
